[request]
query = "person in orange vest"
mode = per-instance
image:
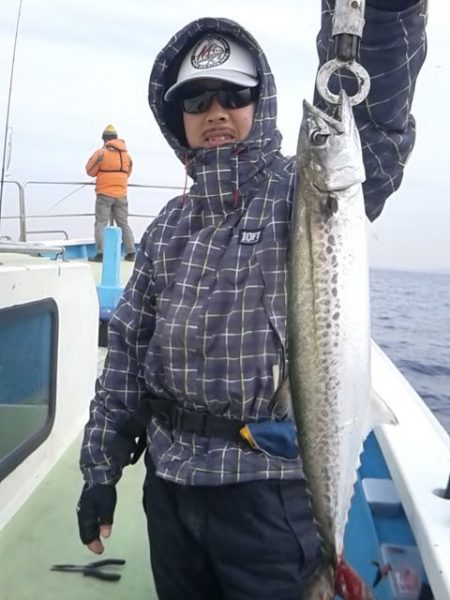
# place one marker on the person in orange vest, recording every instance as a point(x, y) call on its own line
point(111, 165)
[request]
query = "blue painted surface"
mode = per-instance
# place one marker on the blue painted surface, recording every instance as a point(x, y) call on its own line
point(110, 290)
point(365, 531)
point(25, 351)
point(74, 251)
point(80, 251)
point(361, 542)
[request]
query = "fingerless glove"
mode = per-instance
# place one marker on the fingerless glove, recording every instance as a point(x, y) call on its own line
point(95, 507)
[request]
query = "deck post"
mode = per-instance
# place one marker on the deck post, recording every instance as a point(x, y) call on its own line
point(110, 290)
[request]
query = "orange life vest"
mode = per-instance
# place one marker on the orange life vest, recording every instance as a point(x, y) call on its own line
point(111, 165)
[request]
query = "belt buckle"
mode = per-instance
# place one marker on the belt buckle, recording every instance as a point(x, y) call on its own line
point(190, 421)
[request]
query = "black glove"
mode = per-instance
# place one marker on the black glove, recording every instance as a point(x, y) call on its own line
point(391, 5)
point(95, 507)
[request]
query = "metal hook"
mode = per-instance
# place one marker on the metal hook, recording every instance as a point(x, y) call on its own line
point(330, 67)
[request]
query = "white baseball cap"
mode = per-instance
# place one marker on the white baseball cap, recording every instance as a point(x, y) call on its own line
point(216, 57)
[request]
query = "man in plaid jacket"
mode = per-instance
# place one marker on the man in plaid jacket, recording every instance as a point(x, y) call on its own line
point(199, 336)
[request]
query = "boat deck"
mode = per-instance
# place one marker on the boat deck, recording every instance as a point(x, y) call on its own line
point(45, 532)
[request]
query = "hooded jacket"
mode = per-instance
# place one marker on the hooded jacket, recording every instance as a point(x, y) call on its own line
point(112, 166)
point(202, 321)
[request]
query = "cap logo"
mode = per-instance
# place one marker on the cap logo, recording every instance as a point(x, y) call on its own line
point(211, 51)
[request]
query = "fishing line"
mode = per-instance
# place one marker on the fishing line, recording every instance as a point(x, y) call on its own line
point(66, 196)
point(8, 107)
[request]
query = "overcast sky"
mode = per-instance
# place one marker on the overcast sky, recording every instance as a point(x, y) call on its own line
point(81, 64)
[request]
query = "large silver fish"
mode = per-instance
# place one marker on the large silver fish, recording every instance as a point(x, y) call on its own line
point(329, 331)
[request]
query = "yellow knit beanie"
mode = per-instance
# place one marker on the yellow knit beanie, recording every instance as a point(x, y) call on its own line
point(109, 132)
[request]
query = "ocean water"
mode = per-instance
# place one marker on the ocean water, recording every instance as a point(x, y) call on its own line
point(411, 323)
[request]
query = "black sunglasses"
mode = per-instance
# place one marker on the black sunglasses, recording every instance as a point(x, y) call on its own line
point(199, 101)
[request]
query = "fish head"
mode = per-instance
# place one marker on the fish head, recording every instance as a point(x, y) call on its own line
point(329, 148)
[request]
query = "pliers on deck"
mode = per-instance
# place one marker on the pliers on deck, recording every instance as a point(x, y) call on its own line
point(93, 569)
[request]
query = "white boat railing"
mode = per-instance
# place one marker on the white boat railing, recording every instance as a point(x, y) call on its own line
point(30, 248)
point(24, 218)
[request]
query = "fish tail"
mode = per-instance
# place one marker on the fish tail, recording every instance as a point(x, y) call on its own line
point(327, 582)
point(320, 586)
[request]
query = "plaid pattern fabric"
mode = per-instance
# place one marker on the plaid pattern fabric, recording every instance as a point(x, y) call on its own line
point(203, 317)
point(393, 49)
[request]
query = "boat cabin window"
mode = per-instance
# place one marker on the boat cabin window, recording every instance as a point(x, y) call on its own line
point(28, 356)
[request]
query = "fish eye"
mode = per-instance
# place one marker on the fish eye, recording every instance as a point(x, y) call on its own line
point(318, 137)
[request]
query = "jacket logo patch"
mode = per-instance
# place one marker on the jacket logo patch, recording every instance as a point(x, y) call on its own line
point(250, 236)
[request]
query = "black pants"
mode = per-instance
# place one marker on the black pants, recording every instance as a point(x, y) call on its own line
point(243, 541)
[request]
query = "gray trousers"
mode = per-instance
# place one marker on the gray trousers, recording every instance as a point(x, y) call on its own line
point(106, 206)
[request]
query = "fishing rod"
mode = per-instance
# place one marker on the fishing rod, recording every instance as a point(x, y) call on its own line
point(5, 137)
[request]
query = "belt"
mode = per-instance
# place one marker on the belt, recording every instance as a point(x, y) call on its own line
point(275, 438)
point(189, 421)
point(130, 441)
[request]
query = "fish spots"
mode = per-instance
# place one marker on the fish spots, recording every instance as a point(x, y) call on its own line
point(331, 244)
point(330, 206)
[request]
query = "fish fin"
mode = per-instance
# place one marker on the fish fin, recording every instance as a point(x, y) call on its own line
point(371, 232)
point(380, 413)
point(281, 403)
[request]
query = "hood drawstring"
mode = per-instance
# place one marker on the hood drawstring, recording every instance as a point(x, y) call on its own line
point(184, 194)
point(235, 162)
